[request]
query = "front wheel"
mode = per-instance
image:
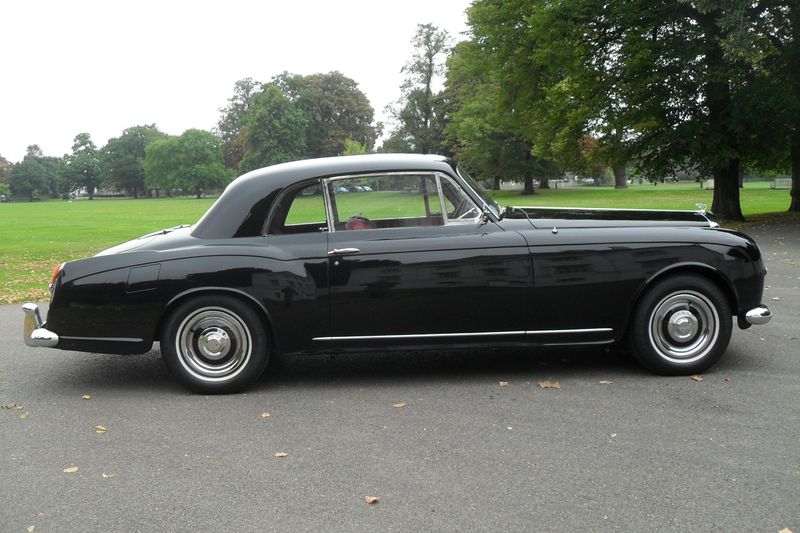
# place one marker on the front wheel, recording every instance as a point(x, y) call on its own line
point(681, 326)
point(215, 344)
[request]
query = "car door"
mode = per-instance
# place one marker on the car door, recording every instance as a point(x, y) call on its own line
point(411, 260)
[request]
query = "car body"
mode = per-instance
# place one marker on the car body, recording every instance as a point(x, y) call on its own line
point(289, 259)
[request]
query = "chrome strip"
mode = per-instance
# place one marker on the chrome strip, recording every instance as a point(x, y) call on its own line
point(465, 334)
point(586, 330)
point(103, 339)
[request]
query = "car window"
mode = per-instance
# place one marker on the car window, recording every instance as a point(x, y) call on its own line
point(300, 210)
point(459, 207)
point(385, 201)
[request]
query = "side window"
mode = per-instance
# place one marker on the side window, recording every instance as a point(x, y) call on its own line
point(460, 208)
point(385, 201)
point(301, 210)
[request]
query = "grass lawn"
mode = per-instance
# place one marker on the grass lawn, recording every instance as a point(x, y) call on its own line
point(35, 237)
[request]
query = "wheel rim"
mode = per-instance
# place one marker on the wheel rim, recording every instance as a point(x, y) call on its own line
point(684, 326)
point(213, 344)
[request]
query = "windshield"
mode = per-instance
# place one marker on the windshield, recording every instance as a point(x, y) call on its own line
point(480, 191)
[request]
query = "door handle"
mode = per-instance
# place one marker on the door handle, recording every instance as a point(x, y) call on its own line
point(343, 251)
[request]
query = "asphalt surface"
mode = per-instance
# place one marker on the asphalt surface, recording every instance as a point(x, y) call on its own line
point(642, 453)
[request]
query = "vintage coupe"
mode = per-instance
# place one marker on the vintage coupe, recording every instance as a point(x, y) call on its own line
point(383, 251)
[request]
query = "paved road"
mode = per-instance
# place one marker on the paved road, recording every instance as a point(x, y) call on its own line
point(643, 453)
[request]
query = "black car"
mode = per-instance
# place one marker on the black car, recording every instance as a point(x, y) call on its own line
point(414, 254)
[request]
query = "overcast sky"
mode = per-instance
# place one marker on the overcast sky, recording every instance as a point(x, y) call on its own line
point(102, 66)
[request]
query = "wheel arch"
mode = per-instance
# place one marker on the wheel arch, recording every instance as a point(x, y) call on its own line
point(179, 298)
point(698, 269)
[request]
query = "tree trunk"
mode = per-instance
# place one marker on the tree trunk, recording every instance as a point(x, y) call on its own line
point(726, 192)
point(620, 177)
point(528, 189)
point(90, 190)
point(794, 194)
point(544, 183)
point(199, 192)
point(496, 186)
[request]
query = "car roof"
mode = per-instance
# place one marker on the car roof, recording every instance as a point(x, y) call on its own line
point(262, 185)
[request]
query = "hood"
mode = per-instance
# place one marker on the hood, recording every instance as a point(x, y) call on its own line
point(579, 217)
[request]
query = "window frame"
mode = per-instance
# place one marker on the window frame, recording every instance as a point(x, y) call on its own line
point(328, 184)
point(299, 186)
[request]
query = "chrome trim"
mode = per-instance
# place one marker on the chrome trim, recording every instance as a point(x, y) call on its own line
point(465, 334)
point(343, 251)
point(441, 198)
point(604, 209)
point(583, 330)
point(103, 339)
point(34, 332)
point(758, 315)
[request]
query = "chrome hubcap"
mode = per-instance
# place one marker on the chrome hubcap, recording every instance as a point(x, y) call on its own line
point(213, 344)
point(684, 326)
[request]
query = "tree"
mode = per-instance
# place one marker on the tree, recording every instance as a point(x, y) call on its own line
point(335, 110)
point(123, 157)
point(486, 138)
point(231, 123)
point(766, 35)
point(352, 147)
point(35, 176)
point(5, 168)
point(193, 161)
point(275, 130)
point(649, 79)
point(418, 110)
point(81, 168)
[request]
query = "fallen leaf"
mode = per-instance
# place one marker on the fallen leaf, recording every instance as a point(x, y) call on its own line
point(25, 415)
point(727, 380)
point(30, 529)
point(371, 500)
point(11, 406)
point(399, 405)
point(100, 429)
point(107, 476)
point(776, 298)
point(613, 435)
point(70, 469)
point(697, 377)
point(547, 384)
point(509, 428)
point(503, 383)
point(785, 530)
point(86, 397)
point(605, 382)
point(265, 415)
point(281, 454)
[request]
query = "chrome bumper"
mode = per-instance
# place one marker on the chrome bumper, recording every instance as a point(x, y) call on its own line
point(34, 332)
point(758, 315)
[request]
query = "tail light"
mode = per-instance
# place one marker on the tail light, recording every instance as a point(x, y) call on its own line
point(56, 272)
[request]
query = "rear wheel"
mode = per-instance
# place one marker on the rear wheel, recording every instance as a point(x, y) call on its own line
point(682, 325)
point(215, 344)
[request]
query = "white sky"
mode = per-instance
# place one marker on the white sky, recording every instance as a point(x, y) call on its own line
point(101, 66)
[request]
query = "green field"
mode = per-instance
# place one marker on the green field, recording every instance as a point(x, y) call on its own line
point(35, 237)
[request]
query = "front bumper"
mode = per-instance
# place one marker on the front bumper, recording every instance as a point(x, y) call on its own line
point(35, 333)
point(755, 317)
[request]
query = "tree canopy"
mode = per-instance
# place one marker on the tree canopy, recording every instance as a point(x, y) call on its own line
point(123, 157)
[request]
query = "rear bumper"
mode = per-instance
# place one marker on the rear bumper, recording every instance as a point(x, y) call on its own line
point(35, 334)
point(755, 317)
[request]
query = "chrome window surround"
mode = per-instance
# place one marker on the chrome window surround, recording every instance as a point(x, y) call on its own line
point(295, 186)
point(455, 221)
point(331, 180)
